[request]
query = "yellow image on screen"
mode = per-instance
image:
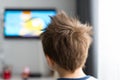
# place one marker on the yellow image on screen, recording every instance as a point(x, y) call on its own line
point(30, 26)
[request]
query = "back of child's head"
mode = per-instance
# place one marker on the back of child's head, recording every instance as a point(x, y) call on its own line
point(66, 41)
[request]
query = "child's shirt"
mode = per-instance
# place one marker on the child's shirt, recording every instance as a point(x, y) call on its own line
point(83, 78)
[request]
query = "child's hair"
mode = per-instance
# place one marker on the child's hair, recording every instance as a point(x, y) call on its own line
point(66, 41)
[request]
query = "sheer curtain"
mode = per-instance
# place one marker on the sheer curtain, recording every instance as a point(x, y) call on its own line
point(108, 37)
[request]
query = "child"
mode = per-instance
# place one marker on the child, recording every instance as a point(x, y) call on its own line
point(65, 43)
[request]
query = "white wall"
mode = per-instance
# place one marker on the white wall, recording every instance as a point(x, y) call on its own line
point(20, 53)
point(107, 14)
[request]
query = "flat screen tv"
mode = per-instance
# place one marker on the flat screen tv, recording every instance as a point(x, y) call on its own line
point(26, 23)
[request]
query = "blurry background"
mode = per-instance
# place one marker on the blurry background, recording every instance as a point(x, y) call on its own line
point(103, 61)
point(28, 52)
point(108, 39)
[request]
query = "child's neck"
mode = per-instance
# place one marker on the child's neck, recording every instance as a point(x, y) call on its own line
point(77, 74)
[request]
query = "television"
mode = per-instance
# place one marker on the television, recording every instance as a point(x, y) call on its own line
point(26, 23)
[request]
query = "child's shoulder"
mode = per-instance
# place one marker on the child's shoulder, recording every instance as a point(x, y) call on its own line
point(91, 78)
point(83, 78)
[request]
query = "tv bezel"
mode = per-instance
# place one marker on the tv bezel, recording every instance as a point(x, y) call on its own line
point(24, 9)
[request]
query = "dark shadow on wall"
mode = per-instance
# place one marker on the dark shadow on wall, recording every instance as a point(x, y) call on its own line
point(84, 14)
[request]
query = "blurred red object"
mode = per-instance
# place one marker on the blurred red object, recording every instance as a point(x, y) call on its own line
point(6, 73)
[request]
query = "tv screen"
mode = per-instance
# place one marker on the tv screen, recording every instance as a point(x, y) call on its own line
point(26, 23)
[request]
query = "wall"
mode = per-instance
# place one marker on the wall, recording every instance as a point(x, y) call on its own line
point(94, 17)
point(85, 13)
point(106, 18)
point(20, 53)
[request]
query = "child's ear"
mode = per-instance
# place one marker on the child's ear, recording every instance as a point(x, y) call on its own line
point(50, 61)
